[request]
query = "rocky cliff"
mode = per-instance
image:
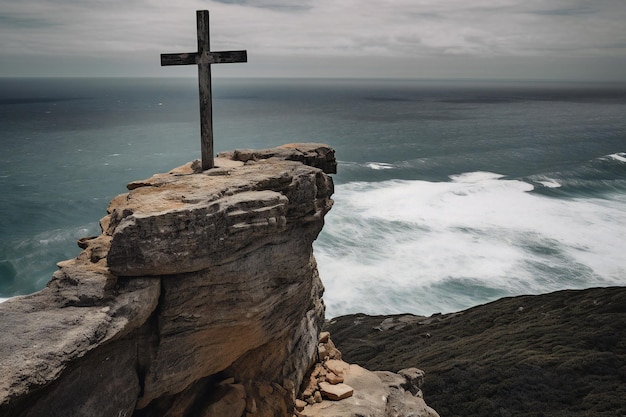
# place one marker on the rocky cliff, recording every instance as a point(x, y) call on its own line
point(201, 284)
point(201, 297)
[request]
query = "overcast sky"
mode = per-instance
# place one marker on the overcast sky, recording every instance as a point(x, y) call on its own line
point(486, 39)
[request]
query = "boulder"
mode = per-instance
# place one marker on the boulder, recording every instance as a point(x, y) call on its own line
point(335, 392)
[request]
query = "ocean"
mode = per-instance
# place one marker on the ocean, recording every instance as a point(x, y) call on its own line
point(449, 194)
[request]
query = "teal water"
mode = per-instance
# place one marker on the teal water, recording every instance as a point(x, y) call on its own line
point(448, 194)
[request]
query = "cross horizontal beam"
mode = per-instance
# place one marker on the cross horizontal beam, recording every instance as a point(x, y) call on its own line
point(193, 58)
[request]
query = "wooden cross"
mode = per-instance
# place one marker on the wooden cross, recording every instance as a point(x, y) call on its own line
point(204, 58)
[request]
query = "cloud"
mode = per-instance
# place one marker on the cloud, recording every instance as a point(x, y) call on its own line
point(570, 11)
point(271, 4)
point(341, 29)
point(426, 27)
point(19, 22)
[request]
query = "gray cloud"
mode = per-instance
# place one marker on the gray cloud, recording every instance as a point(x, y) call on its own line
point(272, 5)
point(572, 11)
point(334, 31)
point(18, 22)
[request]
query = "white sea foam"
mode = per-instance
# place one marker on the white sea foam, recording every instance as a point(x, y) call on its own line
point(422, 247)
point(619, 156)
point(379, 165)
point(2, 300)
point(549, 183)
point(474, 177)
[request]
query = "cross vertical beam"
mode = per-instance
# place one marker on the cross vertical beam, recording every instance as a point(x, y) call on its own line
point(204, 58)
point(204, 85)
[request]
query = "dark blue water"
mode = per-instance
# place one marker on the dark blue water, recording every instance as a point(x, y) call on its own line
point(448, 194)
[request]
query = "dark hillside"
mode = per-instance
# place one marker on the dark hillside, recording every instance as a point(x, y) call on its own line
point(559, 354)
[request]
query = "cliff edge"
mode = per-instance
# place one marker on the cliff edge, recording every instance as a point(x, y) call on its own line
point(201, 297)
point(202, 287)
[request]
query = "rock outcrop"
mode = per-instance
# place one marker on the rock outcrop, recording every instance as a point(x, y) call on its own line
point(201, 297)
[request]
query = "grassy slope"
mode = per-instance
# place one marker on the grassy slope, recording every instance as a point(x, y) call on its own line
point(558, 354)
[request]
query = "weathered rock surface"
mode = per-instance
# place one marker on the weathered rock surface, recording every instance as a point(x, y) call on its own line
point(315, 155)
point(559, 354)
point(334, 388)
point(371, 394)
point(187, 221)
point(50, 340)
point(200, 296)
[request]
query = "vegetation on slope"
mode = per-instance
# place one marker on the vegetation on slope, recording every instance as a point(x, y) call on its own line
point(558, 354)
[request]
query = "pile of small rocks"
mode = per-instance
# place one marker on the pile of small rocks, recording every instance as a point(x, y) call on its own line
point(325, 379)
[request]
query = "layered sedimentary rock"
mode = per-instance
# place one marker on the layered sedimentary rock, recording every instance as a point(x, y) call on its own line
point(200, 297)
